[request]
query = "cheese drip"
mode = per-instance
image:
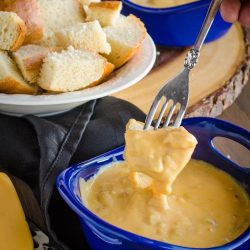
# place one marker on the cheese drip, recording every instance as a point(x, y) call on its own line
point(160, 154)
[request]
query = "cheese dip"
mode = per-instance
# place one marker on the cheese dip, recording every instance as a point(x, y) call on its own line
point(161, 3)
point(151, 193)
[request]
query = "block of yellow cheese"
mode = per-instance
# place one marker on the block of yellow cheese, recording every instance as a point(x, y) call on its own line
point(14, 230)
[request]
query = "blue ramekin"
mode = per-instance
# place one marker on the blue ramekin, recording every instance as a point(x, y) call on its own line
point(177, 26)
point(102, 235)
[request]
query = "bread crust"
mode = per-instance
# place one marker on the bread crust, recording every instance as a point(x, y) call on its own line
point(125, 57)
point(106, 12)
point(21, 31)
point(33, 62)
point(30, 12)
point(108, 69)
point(9, 85)
point(30, 64)
point(136, 49)
point(81, 9)
point(112, 5)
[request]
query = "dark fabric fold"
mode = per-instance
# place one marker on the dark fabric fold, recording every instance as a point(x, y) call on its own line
point(57, 145)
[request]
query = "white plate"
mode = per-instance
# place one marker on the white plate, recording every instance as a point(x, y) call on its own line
point(129, 74)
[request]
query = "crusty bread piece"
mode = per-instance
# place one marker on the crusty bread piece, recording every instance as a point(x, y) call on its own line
point(11, 81)
point(105, 12)
point(30, 12)
point(87, 2)
point(12, 31)
point(58, 14)
point(71, 70)
point(29, 59)
point(125, 38)
point(89, 35)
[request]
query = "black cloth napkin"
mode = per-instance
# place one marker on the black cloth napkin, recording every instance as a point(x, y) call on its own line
point(36, 149)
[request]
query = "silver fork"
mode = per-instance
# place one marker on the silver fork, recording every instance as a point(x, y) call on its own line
point(176, 89)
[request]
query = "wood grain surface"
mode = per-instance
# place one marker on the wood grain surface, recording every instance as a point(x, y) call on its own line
point(220, 63)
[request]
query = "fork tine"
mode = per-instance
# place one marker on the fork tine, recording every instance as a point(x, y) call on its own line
point(179, 116)
point(151, 113)
point(163, 109)
point(170, 113)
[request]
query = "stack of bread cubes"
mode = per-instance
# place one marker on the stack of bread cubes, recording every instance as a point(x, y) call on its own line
point(63, 45)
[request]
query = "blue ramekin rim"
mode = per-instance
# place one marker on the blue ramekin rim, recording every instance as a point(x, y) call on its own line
point(184, 7)
point(85, 214)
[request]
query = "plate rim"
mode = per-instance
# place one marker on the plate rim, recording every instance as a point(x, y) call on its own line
point(33, 100)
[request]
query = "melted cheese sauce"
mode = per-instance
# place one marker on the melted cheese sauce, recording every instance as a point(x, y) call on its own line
point(161, 3)
point(203, 207)
point(206, 207)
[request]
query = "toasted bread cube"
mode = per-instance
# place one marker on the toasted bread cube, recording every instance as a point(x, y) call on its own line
point(11, 82)
point(125, 38)
point(12, 31)
point(29, 59)
point(72, 69)
point(105, 12)
point(89, 35)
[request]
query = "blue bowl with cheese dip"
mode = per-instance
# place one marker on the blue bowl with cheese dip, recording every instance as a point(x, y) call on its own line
point(176, 26)
point(102, 235)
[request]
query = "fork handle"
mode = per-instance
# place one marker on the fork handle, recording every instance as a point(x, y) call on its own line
point(193, 54)
point(212, 11)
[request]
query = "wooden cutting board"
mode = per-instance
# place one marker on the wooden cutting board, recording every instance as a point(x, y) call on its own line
point(215, 82)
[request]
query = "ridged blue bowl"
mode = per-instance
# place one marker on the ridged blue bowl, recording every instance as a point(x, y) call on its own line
point(177, 26)
point(101, 235)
